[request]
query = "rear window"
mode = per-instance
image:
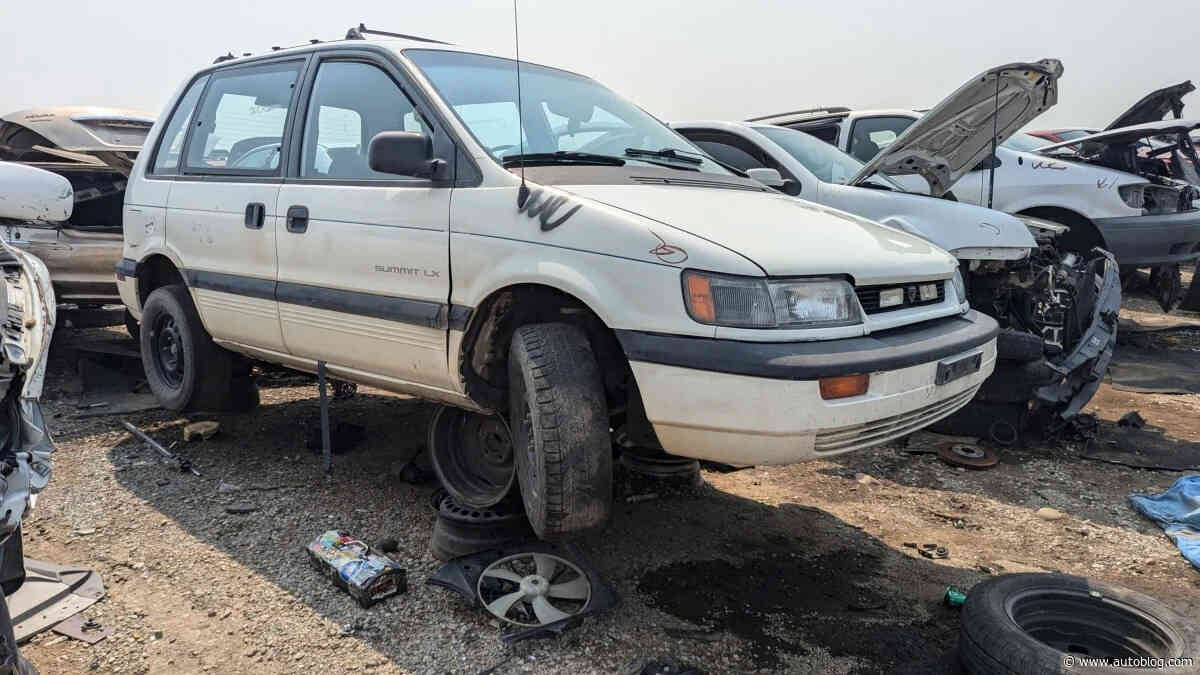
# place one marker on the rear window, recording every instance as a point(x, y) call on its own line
point(170, 144)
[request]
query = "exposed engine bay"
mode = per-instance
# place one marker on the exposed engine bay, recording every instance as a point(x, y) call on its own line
point(1168, 161)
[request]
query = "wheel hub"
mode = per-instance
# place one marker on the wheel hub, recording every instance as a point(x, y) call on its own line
point(168, 350)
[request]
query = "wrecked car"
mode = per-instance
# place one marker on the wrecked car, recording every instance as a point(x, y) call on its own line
point(1058, 309)
point(93, 148)
point(608, 276)
point(27, 195)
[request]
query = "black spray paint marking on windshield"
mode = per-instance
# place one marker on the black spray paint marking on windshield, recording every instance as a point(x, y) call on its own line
point(543, 205)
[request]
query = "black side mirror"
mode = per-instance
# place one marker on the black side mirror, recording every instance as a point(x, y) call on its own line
point(404, 153)
point(791, 187)
point(989, 162)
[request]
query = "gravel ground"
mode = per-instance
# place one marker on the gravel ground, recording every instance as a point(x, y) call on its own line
point(784, 569)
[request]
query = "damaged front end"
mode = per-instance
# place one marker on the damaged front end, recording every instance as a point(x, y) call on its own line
point(1058, 312)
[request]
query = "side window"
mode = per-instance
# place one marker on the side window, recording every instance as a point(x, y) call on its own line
point(240, 123)
point(351, 102)
point(872, 134)
point(170, 143)
point(827, 133)
point(724, 151)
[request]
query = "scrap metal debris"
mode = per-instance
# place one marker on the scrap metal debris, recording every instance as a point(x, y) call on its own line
point(368, 577)
point(200, 430)
point(50, 594)
point(89, 630)
point(967, 455)
point(184, 464)
point(934, 551)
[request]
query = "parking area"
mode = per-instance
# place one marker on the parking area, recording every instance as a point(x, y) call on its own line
point(803, 568)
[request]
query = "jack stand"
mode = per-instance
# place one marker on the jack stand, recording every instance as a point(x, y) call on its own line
point(326, 449)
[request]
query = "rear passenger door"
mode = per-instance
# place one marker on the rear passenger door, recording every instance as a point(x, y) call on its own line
point(364, 276)
point(221, 211)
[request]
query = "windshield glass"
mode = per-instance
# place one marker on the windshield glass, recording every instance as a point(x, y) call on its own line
point(826, 162)
point(1025, 143)
point(562, 111)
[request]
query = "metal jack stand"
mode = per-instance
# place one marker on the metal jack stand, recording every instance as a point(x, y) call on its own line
point(326, 449)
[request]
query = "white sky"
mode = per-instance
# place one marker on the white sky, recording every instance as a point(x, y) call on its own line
point(697, 59)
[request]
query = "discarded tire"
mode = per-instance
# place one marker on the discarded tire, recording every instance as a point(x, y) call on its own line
point(472, 455)
point(560, 427)
point(1049, 623)
point(461, 530)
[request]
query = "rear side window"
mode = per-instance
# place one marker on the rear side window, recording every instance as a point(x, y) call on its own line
point(872, 134)
point(239, 124)
point(170, 144)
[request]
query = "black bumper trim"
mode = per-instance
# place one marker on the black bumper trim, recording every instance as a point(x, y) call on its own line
point(886, 350)
point(128, 267)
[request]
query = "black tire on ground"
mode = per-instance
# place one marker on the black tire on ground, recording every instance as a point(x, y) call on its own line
point(461, 530)
point(1036, 624)
point(1015, 345)
point(134, 328)
point(184, 368)
point(559, 419)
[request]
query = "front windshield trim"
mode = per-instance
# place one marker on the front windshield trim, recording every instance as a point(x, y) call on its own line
point(681, 144)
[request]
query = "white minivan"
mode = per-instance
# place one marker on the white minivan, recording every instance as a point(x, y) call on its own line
point(568, 270)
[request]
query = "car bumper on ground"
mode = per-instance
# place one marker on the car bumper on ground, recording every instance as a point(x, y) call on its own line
point(1148, 241)
point(747, 403)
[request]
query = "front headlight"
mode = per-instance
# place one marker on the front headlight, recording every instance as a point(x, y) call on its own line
point(751, 302)
point(960, 285)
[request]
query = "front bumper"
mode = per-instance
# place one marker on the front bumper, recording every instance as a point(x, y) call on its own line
point(760, 403)
point(1148, 241)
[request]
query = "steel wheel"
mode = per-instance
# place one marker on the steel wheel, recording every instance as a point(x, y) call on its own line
point(168, 348)
point(472, 455)
point(533, 589)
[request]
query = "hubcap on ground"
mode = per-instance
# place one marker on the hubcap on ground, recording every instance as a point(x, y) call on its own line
point(168, 350)
point(472, 454)
point(533, 589)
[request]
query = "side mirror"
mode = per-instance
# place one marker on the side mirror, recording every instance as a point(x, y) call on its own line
point(792, 188)
point(404, 153)
point(29, 194)
point(768, 177)
point(989, 162)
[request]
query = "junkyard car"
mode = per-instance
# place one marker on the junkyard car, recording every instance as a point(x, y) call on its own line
point(27, 301)
point(1057, 312)
point(1144, 218)
point(596, 272)
point(93, 148)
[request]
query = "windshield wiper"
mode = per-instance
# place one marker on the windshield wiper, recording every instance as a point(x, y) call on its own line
point(665, 153)
point(562, 157)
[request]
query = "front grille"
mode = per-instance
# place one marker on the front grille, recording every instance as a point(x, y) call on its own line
point(868, 296)
point(880, 431)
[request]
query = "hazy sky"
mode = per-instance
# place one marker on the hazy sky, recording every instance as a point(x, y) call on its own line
point(698, 59)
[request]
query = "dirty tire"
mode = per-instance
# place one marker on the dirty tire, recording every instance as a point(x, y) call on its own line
point(1015, 345)
point(1001, 612)
point(200, 375)
point(561, 440)
point(133, 327)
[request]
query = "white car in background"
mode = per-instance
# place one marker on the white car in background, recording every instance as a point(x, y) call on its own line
point(1058, 311)
point(1103, 206)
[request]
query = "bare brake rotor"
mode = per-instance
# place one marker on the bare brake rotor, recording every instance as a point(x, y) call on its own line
point(967, 455)
point(533, 589)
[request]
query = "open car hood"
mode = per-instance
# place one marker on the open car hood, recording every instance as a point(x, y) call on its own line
point(1155, 106)
point(85, 135)
point(953, 137)
point(1130, 134)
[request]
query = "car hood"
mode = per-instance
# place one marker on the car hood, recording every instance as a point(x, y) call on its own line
point(783, 235)
point(80, 134)
point(954, 136)
point(1130, 134)
point(1155, 106)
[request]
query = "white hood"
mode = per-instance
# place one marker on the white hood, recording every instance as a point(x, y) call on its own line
point(954, 136)
point(782, 235)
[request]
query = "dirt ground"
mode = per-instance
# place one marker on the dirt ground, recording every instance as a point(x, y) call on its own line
point(800, 568)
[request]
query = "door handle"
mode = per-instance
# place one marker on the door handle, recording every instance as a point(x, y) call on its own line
point(297, 219)
point(256, 213)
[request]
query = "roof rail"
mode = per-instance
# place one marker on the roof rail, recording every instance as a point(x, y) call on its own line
point(357, 33)
point(224, 57)
point(830, 109)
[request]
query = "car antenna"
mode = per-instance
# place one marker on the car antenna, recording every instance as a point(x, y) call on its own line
point(995, 159)
point(523, 192)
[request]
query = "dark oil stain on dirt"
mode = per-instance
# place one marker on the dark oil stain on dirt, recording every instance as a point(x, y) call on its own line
point(780, 602)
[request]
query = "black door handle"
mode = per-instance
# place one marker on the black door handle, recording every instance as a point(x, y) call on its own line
point(256, 213)
point(297, 219)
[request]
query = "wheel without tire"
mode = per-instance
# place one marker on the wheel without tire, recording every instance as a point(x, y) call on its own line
point(1044, 623)
point(184, 368)
point(472, 455)
point(559, 420)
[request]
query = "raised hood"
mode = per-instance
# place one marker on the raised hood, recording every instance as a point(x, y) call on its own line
point(782, 235)
point(1155, 106)
point(85, 135)
point(953, 137)
point(1130, 134)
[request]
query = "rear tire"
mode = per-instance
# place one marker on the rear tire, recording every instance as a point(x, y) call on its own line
point(559, 420)
point(185, 369)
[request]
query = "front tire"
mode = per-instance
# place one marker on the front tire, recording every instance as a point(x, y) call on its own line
point(559, 420)
point(185, 369)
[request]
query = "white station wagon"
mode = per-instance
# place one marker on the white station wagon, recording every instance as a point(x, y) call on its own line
point(571, 270)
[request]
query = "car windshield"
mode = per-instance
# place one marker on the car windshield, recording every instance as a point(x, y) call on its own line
point(826, 162)
point(1025, 143)
point(563, 112)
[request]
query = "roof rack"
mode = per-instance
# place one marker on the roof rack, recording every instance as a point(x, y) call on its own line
point(806, 111)
point(224, 57)
point(357, 33)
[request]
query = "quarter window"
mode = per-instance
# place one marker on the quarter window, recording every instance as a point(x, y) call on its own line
point(239, 128)
point(171, 144)
point(872, 134)
point(351, 102)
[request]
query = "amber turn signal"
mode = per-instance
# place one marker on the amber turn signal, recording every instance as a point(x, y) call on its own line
point(700, 299)
point(844, 386)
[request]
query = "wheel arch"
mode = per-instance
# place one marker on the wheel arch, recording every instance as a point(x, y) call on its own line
point(155, 271)
point(1069, 217)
